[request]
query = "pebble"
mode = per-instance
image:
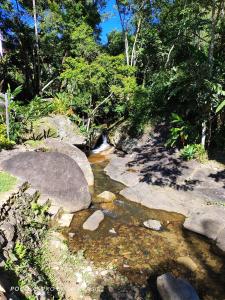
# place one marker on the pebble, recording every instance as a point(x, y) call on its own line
point(113, 231)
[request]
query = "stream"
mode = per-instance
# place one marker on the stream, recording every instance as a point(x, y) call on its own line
point(142, 254)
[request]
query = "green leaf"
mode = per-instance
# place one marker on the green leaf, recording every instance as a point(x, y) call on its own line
point(221, 106)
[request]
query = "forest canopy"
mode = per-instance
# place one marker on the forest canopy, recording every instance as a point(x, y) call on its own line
point(167, 63)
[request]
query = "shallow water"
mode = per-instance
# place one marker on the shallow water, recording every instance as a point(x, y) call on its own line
point(142, 254)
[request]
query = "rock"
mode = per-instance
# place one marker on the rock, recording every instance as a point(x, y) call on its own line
point(2, 296)
point(2, 289)
point(75, 153)
point(112, 231)
point(57, 126)
point(117, 170)
point(220, 240)
point(163, 198)
point(2, 241)
point(93, 222)
point(187, 262)
point(65, 220)
point(106, 196)
point(153, 224)
point(8, 230)
point(124, 138)
point(55, 175)
point(71, 235)
point(171, 288)
point(208, 222)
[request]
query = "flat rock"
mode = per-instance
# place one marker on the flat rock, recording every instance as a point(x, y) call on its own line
point(163, 198)
point(55, 175)
point(106, 196)
point(187, 262)
point(118, 170)
point(153, 224)
point(75, 153)
point(208, 222)
point(93, 222)
point(65, 220)
point(171, 288)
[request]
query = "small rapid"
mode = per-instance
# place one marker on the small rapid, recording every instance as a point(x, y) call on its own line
point(104, 145)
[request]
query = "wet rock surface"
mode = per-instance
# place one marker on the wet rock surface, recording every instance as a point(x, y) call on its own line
point(53, 174)
point(93, 222)
point(171, 288)
point(106, 196)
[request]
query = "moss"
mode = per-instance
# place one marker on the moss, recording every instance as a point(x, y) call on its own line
point(7, 182)
point(44, 128)
point(34, 143)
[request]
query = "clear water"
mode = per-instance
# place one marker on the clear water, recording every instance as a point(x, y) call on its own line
point(142, 254)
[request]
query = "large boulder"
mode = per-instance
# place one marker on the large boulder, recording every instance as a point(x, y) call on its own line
point(73, 152)
point(171, 288)
point(124, 138)
point(57, 126)
point(55, 175)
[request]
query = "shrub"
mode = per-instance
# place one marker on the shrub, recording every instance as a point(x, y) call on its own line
point(5, 143)
point(194, 151)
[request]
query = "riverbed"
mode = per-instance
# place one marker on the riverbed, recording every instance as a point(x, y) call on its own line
point(142, 254)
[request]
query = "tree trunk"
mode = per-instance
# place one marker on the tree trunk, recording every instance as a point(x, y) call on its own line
point(37, 64)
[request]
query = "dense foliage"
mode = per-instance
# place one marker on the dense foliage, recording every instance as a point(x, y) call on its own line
point(168, 60)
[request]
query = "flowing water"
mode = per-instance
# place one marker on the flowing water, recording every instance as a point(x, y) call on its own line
point(142, 254)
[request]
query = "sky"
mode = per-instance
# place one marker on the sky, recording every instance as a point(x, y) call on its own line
point(112, 22)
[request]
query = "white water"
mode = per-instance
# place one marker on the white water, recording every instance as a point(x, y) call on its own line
point(105, 145)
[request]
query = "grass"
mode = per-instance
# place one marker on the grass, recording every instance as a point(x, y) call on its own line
point(7, 182)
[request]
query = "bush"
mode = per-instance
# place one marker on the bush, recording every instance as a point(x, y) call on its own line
point(194, 151)
point(5, 143)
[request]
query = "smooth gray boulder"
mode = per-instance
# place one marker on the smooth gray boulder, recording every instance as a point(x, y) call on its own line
point(75, 153)
point(93, 222)
point(55, 175)
point(171, 288)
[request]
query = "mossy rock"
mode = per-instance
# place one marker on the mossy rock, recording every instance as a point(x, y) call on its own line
point(57, 126)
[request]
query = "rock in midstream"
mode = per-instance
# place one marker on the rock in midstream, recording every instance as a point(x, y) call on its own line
point(93, 222)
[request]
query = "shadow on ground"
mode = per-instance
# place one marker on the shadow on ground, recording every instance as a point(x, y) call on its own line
point(161, 165)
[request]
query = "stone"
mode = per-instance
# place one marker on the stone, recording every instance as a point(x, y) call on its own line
point(65, 220)
point(75, 153)
point(71, 235)
point(208, 222)
point(117, 170)
point(187, 262)
point(163, 198)
point(106, 197)
point(153, 224)
point(9, 231)
point(93, 222)
point(2, 241)
point(112, 231)
point(54, 175)
point(171, 288)
point(2, 296)
point(57, 126)
point(220, 240)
